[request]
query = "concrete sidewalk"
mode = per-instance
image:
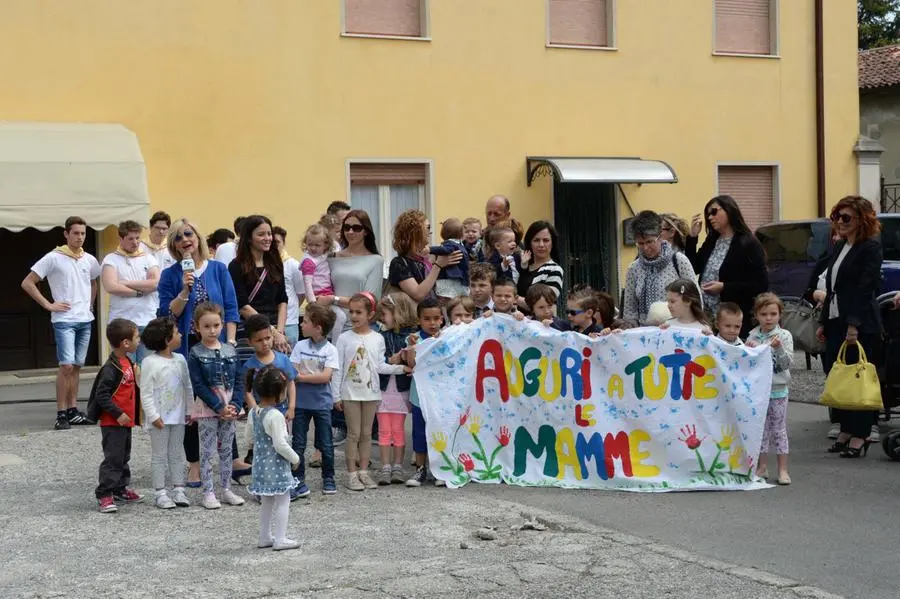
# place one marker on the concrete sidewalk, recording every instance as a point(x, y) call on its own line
point(389, 542)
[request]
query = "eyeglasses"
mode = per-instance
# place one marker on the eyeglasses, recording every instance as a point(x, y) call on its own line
point(354, 228)
point(186, 234)
point(574, 312)
point(713, 211)
point(841, 218)
point(646, 242)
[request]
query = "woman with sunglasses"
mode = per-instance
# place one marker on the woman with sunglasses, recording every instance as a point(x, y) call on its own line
point(731, 261)
point(358, 266)
point(180, 290)
point(850, 310)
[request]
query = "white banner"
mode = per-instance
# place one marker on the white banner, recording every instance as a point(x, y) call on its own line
point(644, 410)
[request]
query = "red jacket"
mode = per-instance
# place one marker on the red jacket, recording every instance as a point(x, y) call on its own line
point(115, 392)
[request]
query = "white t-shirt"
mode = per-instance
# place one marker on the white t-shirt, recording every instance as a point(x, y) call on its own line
point(362, 360)
point(70, 282)
point(166, 390)
point(677, 324)
point(293, 281)
point(833, 311)
point(139, 310)
point(162, 255)
point(226, 252)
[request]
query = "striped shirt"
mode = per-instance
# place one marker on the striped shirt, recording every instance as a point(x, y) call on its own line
point(550, 274)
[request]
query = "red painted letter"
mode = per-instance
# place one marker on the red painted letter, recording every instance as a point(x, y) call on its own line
point(493, 348)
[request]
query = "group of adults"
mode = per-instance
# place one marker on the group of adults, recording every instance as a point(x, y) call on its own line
point(174, 270)
point(730, 266)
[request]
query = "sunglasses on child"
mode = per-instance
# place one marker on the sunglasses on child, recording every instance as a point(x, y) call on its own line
point(354, 228)
point(841, 218)
point(186, 234)
point(574, 312)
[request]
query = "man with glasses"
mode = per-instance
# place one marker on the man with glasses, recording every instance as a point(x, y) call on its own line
point(156, 245)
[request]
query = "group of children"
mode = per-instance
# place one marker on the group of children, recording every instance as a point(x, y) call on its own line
point(366, 375)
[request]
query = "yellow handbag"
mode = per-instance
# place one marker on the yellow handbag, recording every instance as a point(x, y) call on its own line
point(852, 386)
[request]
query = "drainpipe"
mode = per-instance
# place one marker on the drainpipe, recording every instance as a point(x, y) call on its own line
point(820, 109)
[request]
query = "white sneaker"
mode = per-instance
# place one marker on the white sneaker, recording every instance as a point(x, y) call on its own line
point(180, 498)
point(366, 480)
point(210, 502)
point(353, 482)
point(164, 502)
point(285, 544)
point(440, 483)
point(231, 498)
point(875, 435)
point(834, 431)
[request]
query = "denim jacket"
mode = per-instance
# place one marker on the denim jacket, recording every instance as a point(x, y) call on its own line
point(216, 368)
point(394, 342)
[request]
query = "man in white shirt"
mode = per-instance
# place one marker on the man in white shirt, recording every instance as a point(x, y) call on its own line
point(130, 276)
point(72, 274)
point(157, 244)
point(293, 285)
point(227, 251)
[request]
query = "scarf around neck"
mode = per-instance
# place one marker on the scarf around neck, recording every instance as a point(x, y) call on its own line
point(650, 285)
point(153, 246)
point(67, 251)
point(139, 252)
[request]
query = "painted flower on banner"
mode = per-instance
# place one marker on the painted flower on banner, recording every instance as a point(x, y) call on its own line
point(465, 416)
point(728, 435)
point(439, 442)
point(475, 425)
point(504, 436)
point(690, 436)
point(466, 460)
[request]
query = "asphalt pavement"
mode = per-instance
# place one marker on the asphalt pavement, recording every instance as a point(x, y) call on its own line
point(835, 528)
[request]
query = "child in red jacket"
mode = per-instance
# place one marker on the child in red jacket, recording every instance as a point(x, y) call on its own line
point(114, 403)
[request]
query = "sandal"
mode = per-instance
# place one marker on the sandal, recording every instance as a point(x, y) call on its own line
point(784, 479)
point(856, 452)
point(838, 447)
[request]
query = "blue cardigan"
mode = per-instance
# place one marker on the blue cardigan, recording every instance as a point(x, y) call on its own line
point(218, 285)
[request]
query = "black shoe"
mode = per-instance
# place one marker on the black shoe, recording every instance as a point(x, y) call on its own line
point(62, 423)
point(838, 447)
point(856, 452)
point(77, 418)
point(418, 479)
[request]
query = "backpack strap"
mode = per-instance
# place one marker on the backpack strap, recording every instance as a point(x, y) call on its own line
point(675, 263)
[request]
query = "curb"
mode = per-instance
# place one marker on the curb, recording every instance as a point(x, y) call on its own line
point(12, 380)
point(752, 574)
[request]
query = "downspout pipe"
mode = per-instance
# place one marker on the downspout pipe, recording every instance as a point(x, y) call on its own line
point(820, 108)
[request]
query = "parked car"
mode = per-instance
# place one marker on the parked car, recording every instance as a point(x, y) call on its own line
point(793, 248)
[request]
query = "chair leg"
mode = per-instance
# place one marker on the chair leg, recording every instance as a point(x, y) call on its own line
point(808, 361)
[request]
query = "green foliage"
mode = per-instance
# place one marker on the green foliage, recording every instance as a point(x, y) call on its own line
point(878, 23)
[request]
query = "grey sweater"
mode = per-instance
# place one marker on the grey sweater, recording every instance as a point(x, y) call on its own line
point(354, 274)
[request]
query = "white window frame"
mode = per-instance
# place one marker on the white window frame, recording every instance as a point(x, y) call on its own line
point(424, 26)
point(776, 180)
point(774, 37)
point(610, 30)
point(385, 234)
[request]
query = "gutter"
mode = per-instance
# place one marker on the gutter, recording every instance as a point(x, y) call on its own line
point(820, 108)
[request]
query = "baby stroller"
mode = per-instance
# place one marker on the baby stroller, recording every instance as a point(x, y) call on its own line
point(890, 371)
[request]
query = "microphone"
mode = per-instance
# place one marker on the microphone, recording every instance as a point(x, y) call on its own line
point(187, 264)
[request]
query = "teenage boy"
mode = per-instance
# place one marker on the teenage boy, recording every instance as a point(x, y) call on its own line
point(481, 283)
point(157, 242)
point(315, 359)
point(227, 251)
point(114, 402)
point(72, 274)
point(130, 277)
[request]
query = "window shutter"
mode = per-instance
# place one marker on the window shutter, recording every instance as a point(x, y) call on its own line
point(578, 22)
point(388, 174)
point(384, 17)
point(753, 187)
point(744, 26)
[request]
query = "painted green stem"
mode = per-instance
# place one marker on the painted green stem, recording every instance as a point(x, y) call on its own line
point(700, 461)
point(715, 461)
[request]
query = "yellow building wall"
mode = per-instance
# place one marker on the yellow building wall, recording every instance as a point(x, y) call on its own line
point(243, 106)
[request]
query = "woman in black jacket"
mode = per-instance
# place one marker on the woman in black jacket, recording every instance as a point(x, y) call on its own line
point(731, 262)
point(850, 312)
